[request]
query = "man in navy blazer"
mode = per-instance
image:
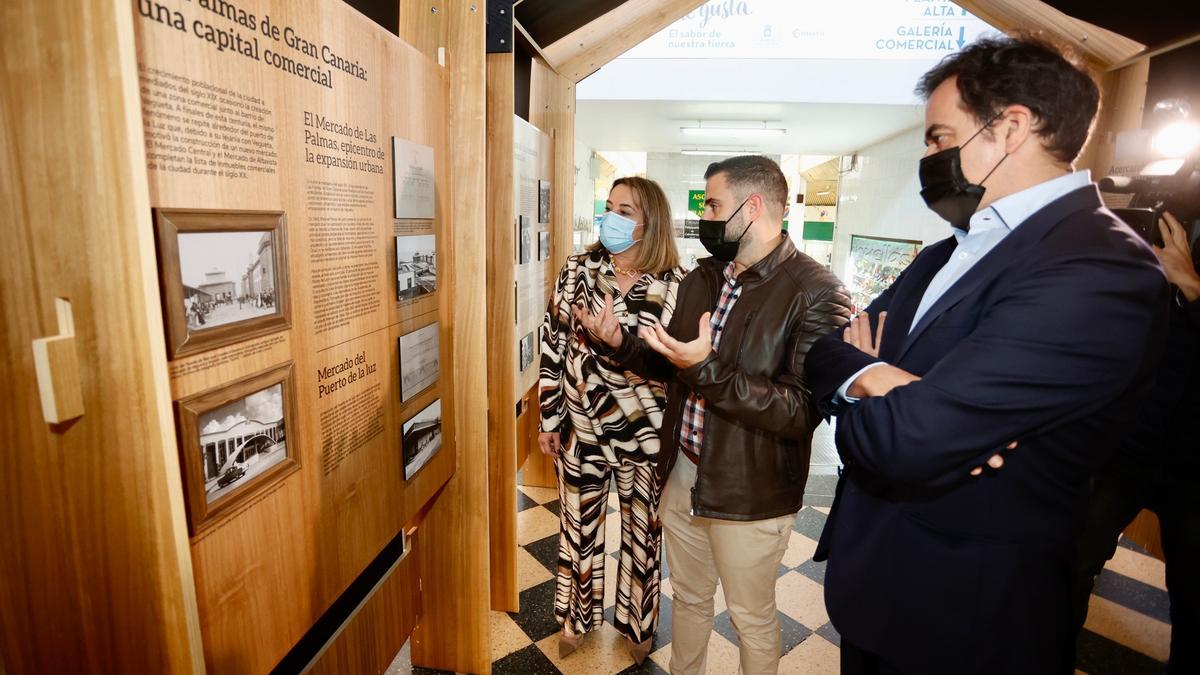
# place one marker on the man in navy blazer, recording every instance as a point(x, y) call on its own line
point(1013, 350)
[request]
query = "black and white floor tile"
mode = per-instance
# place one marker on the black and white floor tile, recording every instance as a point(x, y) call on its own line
point(1127, 632)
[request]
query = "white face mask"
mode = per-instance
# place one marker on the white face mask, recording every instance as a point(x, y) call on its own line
point(616, 232)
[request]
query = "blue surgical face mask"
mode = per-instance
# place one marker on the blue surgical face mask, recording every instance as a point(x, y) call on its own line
point(616, 232)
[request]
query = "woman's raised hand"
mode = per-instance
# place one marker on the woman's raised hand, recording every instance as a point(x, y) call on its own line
point(603, 325)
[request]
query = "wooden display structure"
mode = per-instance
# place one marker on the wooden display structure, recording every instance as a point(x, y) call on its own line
point(293, 108)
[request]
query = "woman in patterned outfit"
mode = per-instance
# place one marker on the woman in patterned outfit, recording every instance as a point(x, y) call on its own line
point(597, 419)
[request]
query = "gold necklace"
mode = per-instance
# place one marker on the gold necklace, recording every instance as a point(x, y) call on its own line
point(621, 270)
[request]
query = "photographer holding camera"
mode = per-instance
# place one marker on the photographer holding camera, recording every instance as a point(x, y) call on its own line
point(1157, 462)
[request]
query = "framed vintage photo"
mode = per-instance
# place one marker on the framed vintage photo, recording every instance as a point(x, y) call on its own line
point(543, 245)
point(416, 266)
point(543, 201)
point(419, 361)
point(524, 240)
point(421, 438)
point(412, 179)
point(526, 352)
point(236, 441)
point(224, 276)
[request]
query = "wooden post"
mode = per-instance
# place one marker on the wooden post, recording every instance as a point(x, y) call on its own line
point(502, 421)
point(453, 630)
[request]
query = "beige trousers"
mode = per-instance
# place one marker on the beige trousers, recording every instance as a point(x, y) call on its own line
point(743, 555)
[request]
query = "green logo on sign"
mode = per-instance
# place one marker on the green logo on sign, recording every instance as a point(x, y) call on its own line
point(696, 202)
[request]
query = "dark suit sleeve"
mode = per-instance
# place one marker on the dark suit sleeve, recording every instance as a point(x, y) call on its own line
point(1063, 342)
point(1192, 310)
point(784, 405)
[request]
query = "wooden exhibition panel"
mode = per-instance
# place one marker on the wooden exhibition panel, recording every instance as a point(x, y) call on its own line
point(1122, 97)
point(552, 109)
point(533, 182)
point(453, 633)
point(95, 574)
point(374, 636)
point(502, 435)
point(293, 107)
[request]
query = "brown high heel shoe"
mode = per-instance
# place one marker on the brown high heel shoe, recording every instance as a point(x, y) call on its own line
point(568, 643)
point(640, 650)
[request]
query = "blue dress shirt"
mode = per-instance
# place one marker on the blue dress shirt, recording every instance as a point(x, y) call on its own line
point(989, 227)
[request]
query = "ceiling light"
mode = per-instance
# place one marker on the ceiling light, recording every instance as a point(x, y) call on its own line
point(714, 153)
point(822, 193)
point(732, 131)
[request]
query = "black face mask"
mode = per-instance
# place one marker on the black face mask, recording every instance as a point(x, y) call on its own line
point(712, 236)
point(945, 189)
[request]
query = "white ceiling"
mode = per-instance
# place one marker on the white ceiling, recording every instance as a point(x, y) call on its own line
point(812, 128)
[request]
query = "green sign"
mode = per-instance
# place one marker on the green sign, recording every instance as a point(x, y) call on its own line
point(696, 202)
point(818, 231)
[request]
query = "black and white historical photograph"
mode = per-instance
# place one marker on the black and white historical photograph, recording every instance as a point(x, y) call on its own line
point(526, 352)
point(421, 438)
point(416, 265)
point(223, 276)
point(413, 179)
point(241, 440)
point(227, 277)
point(543, 245)
point(543, 201)
point(419, 365)
point(524, 240)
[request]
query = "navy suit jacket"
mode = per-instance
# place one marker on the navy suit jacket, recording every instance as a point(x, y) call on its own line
point(1048, 340)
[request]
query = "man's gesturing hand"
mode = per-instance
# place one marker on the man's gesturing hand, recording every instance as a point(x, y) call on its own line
point(858, 333)
point(603, 325)
point(680, 354)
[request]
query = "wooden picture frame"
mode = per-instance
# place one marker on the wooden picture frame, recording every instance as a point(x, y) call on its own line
point(265, 277)
point(420, 438)
point(208, 498)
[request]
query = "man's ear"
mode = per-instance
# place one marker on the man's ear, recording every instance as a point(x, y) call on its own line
point(756, 201)
point(1017, 125)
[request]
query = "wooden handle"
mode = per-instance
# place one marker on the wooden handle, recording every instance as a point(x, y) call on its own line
point(57, 368)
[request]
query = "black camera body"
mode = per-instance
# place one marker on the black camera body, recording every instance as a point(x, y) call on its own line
point(1171, 179)
point(1178, 193)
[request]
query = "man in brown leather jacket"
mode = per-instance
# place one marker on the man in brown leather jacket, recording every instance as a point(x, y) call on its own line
point(737, 429)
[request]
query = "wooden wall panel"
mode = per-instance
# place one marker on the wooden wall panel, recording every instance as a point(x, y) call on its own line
point(502, 335)
point(95, 574)
point(1122, 97)
point(453, 630)
point(552, 109)
point(374, 636)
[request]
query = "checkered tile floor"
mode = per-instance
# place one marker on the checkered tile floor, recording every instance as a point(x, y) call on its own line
point(1127, 632)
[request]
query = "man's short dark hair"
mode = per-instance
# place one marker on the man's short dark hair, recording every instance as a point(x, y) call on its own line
point(1030, 70)
point(749, 174)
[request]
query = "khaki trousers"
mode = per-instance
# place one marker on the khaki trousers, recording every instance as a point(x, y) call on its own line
point(743, 555)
